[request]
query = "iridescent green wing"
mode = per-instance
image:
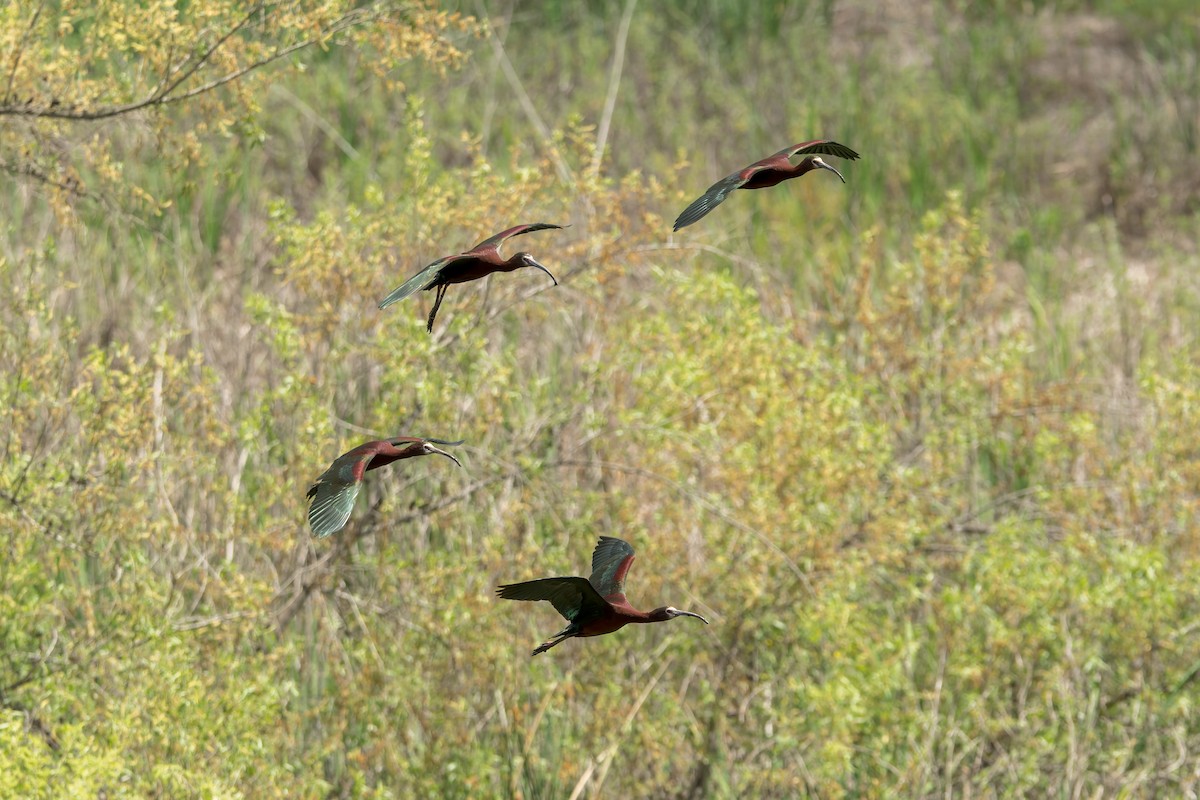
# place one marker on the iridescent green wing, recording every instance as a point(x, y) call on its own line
point(331, 498)
point(422, 280)
point(715, 195)
point(571, 597)
point(610, 562)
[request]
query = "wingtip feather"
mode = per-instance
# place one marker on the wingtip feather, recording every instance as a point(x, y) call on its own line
point(391, 299)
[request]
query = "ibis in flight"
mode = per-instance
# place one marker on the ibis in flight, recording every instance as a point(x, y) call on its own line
point(592, 606)
point(481, 260)
point(769, 172)
point(331, 498)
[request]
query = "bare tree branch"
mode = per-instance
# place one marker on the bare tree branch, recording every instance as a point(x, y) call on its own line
point(31, 170)
point(184, 74)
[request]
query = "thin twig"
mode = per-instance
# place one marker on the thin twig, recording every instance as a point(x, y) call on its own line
point(38, 661)
point(707, 505)
point(196, 623)
point(347, 538)
point(535, 119)
point(582, 783)
point(538, 716)
point(333, 133)
point(185, 73)
point(168, 70)
point(611, 751)
point(33, 722)
point(703, 248)
point(31, 170)
point(614, 85)
point(12, 73)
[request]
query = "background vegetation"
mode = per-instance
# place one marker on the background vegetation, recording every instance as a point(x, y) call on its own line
point(925, 448)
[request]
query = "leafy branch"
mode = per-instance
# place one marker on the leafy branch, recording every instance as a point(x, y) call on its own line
point(166, 92)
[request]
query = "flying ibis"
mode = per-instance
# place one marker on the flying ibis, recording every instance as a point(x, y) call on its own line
point(592, 606)
point(769, 172)
point(331, 498)
point(481, 260)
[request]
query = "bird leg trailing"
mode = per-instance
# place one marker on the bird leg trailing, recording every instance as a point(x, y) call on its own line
point(558, 638)
point(546, 645)
point(437, 303)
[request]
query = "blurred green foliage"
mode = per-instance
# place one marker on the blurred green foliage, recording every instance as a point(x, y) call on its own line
point(923, 447)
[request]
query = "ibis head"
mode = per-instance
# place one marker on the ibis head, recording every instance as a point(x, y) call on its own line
point(670, 612)
point(817, 162)
point(526, 260)
point(428, 448)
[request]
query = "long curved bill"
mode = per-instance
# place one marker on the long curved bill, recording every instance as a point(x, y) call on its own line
point(442, 452)
point(823, 165)
point(690, 614)
point(533, 262)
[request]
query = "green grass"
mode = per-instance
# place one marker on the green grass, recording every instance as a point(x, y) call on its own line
point(921, 446)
